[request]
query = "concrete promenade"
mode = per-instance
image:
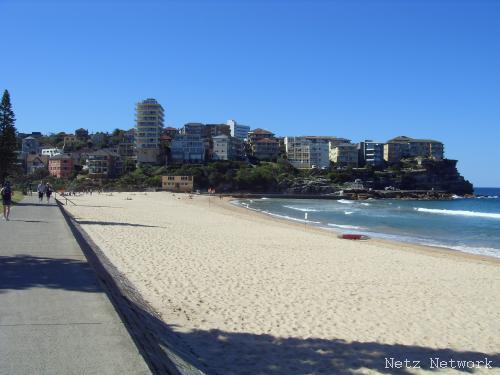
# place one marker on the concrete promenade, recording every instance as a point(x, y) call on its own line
point(54, 316)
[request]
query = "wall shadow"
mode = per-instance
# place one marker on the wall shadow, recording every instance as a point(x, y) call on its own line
point(220, 352)
point(93, 222)
point(29, 221)
point(235, 353)
point(25, 271)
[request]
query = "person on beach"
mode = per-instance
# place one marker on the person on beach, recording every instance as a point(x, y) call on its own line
point(6, 193)
point(41, 191)
point(48, 192)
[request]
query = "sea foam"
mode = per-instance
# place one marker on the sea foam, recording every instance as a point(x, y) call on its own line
point(354, 227)
point(345, 201)
point(290, 218)
point(487, 215)
point(301, 209)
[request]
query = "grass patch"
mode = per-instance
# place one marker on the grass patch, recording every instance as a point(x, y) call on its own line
point(17, 196)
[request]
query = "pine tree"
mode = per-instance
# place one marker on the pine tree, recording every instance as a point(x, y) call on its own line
point(8, 143)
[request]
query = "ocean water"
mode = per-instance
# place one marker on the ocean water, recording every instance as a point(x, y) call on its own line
point(466, 224)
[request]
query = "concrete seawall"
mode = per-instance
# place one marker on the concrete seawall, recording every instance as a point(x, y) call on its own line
point(163, 350)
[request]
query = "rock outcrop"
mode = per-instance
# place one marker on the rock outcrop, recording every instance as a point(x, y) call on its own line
point(429, 179)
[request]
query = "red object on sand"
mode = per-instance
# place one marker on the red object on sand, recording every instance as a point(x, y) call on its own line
point(347, 236)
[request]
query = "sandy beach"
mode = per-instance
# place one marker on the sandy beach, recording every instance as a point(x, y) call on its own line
point(254, 295)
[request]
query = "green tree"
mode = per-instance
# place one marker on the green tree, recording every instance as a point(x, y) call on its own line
point(8, 143)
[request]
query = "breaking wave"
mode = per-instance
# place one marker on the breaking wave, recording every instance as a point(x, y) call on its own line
point(487, 215)
point(345, 201)
point(354, 227)
point(301, 209)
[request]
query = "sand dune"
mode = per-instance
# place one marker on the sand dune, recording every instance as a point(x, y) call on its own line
point(250, 294)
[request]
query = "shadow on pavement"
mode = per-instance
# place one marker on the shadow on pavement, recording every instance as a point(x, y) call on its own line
point(25, 271)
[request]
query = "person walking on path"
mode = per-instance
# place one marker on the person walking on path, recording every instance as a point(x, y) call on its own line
point(41, 191)
point(48, 192)
point(6, 193)
point(30, 189)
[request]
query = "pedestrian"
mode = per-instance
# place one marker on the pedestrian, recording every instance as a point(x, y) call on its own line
point(30, 189)
point(6, 193)
point(48, 192)
point(41, 191)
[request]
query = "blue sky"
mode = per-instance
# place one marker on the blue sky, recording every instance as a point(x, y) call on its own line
point(357, 69)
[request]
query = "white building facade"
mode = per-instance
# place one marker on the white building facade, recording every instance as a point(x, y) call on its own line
point(51, 151)
point(308, 152)
point(148, 128)
point(238, 130)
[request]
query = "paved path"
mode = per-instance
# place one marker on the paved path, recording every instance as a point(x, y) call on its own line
point(54, 316)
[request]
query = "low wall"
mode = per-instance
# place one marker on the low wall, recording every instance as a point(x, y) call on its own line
point(162, 349)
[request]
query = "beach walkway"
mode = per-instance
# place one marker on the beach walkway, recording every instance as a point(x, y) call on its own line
point(54, 316)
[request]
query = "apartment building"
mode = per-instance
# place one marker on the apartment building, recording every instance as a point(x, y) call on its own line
point(104, 164)
point(239, 131)
point(61, 166)
point(344, 155)
point(189, 145)
point(308, 151)
point(126, 150)
point(371, 153)
point(265, 149)
point(227, 148)
point(148, 127)
point(406, 147)
point(177, 183)
point(262, 144)
point(193, 128)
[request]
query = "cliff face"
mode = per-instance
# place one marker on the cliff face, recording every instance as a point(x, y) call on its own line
point(438, 175)
point(410, 175)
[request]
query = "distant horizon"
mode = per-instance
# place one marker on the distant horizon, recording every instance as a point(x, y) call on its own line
point(360, 69)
